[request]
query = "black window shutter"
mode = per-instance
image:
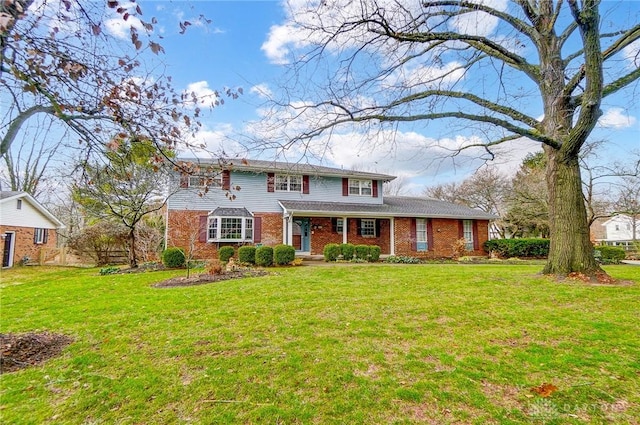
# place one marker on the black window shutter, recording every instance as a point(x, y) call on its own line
point(359, 226)
point(334, 225)
point(35, 235)
point(377, 221)
point(414, 236)
point(45, 237)
point(429, 235)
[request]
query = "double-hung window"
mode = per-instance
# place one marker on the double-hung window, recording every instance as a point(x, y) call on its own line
point(39, 236)
point(467, 233)
point(286, 183)
point(421, 235)
point(339, 225)
point(230, 229)
point(206, 181)
point(360, 187)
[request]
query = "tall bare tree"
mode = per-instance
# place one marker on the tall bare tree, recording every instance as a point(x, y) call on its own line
point(498, 66)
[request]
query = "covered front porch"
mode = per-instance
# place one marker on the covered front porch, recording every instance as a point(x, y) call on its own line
point(309, 231)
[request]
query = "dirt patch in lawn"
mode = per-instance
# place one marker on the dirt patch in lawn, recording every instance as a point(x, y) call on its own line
point(19, 351)
point(205, 278)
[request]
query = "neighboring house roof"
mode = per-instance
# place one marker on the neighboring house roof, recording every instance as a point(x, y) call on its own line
point(8, 196)
point(393, 206)
point(262, 166)
point(598, 230)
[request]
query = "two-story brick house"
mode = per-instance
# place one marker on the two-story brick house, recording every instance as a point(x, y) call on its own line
point(308, 206)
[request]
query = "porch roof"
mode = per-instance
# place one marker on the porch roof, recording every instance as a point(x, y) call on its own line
point(393, 206)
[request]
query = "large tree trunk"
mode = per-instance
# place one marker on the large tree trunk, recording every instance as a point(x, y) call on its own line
point(571, 249)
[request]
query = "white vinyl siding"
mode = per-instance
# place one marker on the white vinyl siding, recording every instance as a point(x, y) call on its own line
point(253, 196)
point(203, 181)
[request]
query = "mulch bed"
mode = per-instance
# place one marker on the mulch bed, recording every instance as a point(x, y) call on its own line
point(205, 278)
point(19, 351)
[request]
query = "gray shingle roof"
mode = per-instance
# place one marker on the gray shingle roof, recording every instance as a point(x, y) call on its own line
point(231, 212)
point(8, 194)
point(393, 206)
point(257, 165)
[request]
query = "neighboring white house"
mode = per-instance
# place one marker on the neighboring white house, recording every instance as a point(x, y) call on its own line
point(619, 231)
point(25, 227)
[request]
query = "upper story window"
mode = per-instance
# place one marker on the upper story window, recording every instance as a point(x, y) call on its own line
point(360, 187)
point(285, 183)
point(230, 229)
point(206, 181)
point(19, 204)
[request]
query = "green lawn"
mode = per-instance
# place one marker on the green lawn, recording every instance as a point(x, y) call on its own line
point(351, 344)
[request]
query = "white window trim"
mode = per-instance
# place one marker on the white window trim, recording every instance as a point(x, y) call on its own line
point(199, 181)
point(467, 232)
point(361, 183)
point(39, 238)
point(422, 236)
point(246, 234)
point(373, 227)
point(289, 183)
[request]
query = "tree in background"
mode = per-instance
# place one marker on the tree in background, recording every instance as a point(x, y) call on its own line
point(394, 63)
point(125, 189)
point(487, 190)
point(527, 211)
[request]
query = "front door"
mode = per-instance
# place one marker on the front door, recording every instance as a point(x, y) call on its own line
point(302, 234)
point(6, 252)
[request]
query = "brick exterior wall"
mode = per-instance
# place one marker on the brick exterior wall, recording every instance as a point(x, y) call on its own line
point(183, 231)
point(445, 233)
point(183, 226)
point(23, 243)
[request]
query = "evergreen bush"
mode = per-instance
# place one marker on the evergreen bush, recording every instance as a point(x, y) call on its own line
point(610, 254)
point(225, 252)
point(173, 258)
point(374, 253)
point(264, 256)
point(284, 254)
point(331, 252)
point(247, 254)
point(348, 251)
point(523, 247)
point(362, 252)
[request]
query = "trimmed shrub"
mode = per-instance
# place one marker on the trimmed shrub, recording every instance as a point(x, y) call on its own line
point(173, 258)
point(247, 254)
point(362, 252)
point(348, 251)
point(331, 252)
point(226, 252)
point(524, 247)
point(264, 256)
point(374, 253)
point(284, 254)
point(610, 254)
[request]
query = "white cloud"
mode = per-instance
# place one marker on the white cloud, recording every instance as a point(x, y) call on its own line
point(262, 90)
point(200, 94)
point(213, 143)
point(479, 23)
point(616, 118)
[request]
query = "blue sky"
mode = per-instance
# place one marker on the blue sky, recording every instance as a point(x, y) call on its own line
point(246, 44)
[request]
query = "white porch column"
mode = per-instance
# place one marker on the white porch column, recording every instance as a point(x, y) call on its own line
point(345, 229)
point(285, 230)
point(289, 230)
point(392, 234)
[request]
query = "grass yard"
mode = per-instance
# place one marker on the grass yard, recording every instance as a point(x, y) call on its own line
point(355, 344)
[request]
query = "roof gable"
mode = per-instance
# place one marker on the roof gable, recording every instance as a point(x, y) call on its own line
point(6, 197)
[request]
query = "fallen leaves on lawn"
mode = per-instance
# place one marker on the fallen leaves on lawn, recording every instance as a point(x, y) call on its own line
point(544, 390)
